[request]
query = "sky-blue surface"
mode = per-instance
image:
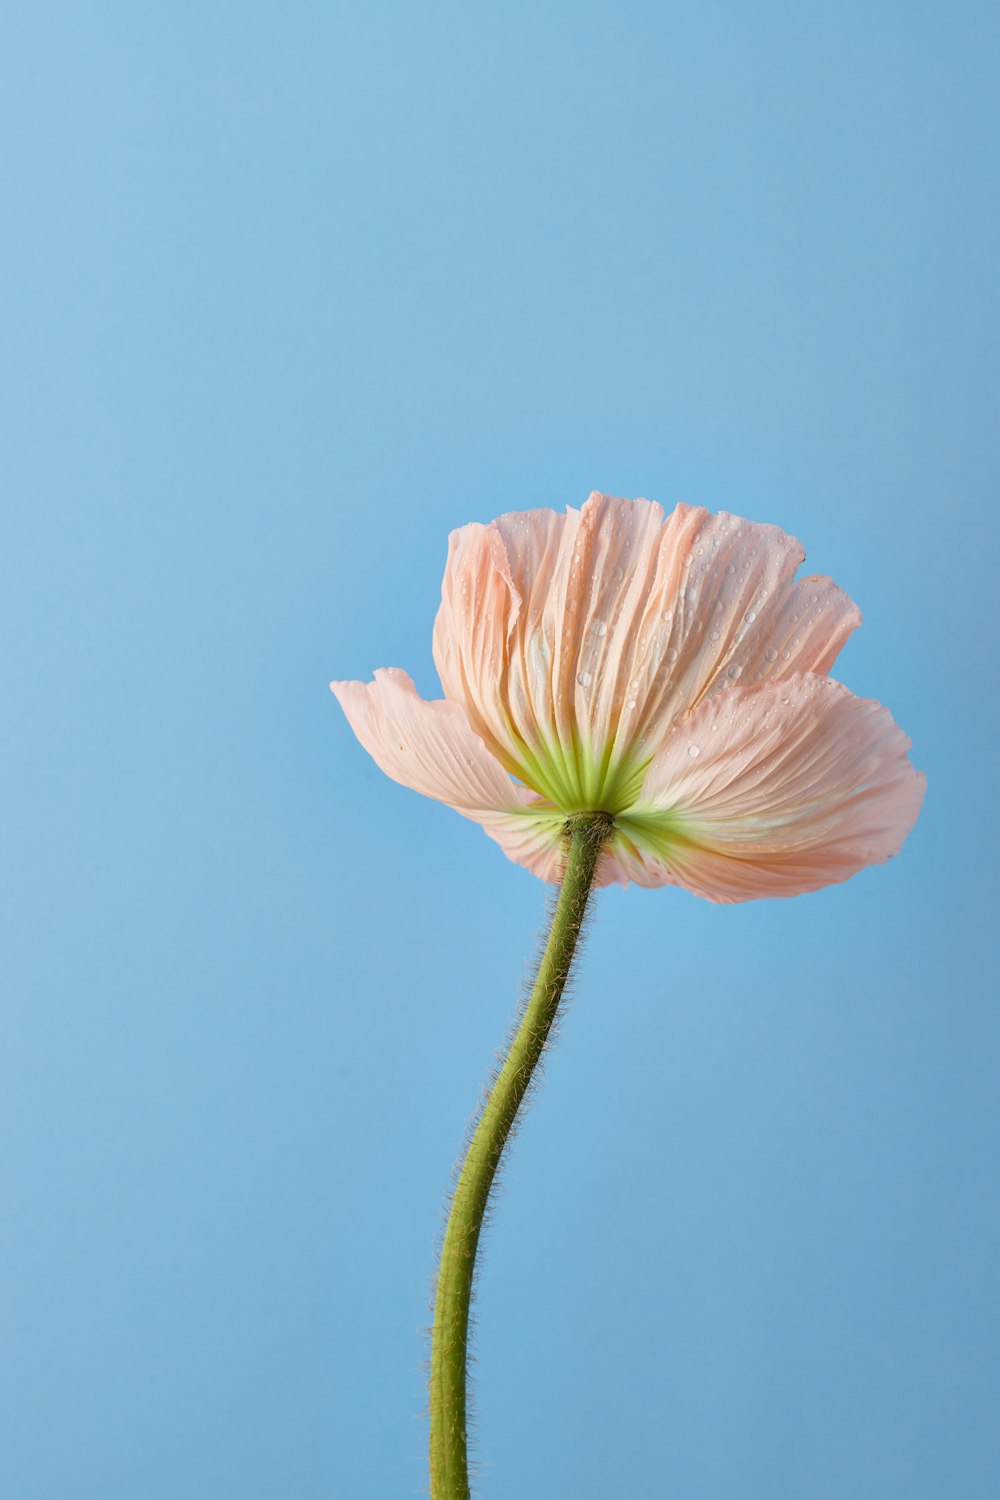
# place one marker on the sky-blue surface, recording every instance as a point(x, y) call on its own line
point(289, 292)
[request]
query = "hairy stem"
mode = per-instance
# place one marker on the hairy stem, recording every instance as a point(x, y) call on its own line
point(587, 834)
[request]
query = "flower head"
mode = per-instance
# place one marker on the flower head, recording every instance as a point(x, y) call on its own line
point(668, 671)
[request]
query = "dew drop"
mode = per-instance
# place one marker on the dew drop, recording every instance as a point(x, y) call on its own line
point(694, 751)
point(714, 636)
point(770, 654)
point(584, 679)
point(734, 670)
point(688, 560)
point(672, 654)
point(599, 627)
point(750, 615)
point(730, 567)
point(786, 656)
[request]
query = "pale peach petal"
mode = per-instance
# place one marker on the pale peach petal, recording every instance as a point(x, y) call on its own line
point(720, 608)
point(716, 576)
point(804, 631)
point(771, 791)
point(603, 627)
point(538, 630)
point(427, 746)
point(533, 838)
point(487, 657)
point(575, 642)
point(625, 863)
point(430, 747)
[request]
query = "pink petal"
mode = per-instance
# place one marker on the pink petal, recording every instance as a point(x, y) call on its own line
point(430, 747)
point(536, 634)
point(496, 578)
point(732, 615)
point(771, 791)
point(534, 840)
point(605, 627)
point(804, 630)
point(574, 642)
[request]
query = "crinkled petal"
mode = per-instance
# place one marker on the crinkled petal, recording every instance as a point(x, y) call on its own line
point(771, 791)
point(427, 746)
point(487, 658)
point(430, 747)
point(575, 642)
point(532, 837)
point(804, 631)
point(716, 577)
point(538, 629)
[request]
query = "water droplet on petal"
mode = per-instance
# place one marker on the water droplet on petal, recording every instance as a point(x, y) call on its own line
point(770, 654)
point(714, 636)
point(694, 751)
point(751, 614)
point(599, 627)
point(786, 656)
point(672, 654)
point(734, 670)
point(584, 679)
point(730, 567)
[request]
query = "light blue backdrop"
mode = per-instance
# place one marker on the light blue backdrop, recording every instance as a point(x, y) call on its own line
point(288, 292)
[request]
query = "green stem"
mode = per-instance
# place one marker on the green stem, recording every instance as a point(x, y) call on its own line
point(588, 833)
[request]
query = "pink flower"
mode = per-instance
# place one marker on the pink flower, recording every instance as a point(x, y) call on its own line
point(670, 672)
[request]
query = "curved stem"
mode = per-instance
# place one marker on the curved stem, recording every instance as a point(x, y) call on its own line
point(588, 832)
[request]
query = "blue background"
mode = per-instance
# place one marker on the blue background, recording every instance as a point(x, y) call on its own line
point(288, 292)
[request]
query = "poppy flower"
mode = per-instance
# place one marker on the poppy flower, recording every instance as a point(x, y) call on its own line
point(667, 671)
